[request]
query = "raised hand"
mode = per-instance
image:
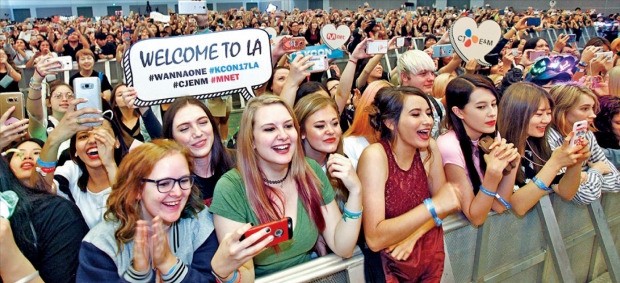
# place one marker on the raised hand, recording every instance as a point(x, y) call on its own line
point(12, 131)
point(341, 167)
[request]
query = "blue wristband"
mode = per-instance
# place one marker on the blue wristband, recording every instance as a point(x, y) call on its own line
point(495, 195)
point(431, 208)
point(541, 185)
point(46, 164)
point(346, 214)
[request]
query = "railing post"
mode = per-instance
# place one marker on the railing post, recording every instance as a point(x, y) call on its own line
point(554, 240)
point(481, 252)
point(605, 239)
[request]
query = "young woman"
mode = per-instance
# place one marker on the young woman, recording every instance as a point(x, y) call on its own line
point(574, 103)
point(86, 64)
point(20, 52)
point(524, 117)
point(156, 225)
point(321, 139)
point(22, 159)
point(471, 103)
point(95, 153)
point(139, 124)
point(189, 122)
point(277, 80)
point(607, 122)
point(361, 133)
point(273, 180)
point(41, 239)
point(401, 175)
point(10, 75)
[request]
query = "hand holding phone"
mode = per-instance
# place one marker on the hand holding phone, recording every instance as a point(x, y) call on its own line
point(292, 44)
point(533, 22)
point(281, 230)
point(320, 63)
point(443, 50)
point(377, 47)
point(580, 128)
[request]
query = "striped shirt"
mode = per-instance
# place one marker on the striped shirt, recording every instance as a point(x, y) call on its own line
point(595, 183)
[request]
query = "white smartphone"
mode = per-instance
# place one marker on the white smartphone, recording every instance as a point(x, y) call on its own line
point(89, 88)
point(580, 128)
point(320, 63)
point(377, 47)
point(192, 7)
point(66, 64)
point(609, 55)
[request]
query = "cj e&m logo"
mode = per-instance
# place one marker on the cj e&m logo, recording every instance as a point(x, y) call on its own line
point(469, 39)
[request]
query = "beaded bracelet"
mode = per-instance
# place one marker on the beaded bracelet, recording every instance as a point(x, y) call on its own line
point(541, 185)
point(495, 195)
point(346, 214)
point(431, 208)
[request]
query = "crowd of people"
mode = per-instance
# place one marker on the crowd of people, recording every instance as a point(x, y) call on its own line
point(364, 156)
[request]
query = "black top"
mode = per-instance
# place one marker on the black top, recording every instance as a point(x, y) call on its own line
point(206, 186)
point(59, 229)
point(11, 87)
point(70, 51)
point(105, 82)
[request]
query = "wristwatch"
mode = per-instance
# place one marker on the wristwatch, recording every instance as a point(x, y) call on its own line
point(582, 64)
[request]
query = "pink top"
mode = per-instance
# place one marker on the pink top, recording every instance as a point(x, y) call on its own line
point(451, 152)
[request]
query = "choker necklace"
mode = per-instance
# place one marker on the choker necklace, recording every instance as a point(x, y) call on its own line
point(276, 182)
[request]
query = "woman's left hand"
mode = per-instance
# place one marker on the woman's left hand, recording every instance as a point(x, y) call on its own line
point(342, 168)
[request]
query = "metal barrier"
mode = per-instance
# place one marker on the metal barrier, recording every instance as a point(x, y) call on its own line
point(555, 242)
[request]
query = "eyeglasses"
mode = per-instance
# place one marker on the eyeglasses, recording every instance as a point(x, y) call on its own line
point(67, 95)
point(165, 185)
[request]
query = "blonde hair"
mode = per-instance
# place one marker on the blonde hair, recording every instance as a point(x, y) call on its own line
point(260, 197)
point(614, 81)
point(415, 62)
point(565, 98)
point(440, 84)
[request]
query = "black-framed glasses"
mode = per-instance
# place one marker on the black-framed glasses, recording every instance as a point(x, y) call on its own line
point(166, 184)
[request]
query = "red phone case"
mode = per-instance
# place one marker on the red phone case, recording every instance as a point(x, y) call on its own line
point(281, 230)
point(294, 44)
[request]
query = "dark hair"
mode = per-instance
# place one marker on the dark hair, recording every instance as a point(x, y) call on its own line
point(388, 105)
point(458, 94)
point(531, 43)
point(610, 107)
point(270, 81)
point(21, 215)
point(119, 152)
point(220, 161)
point(118, 114)
point(429, 37)
point(308, 88)
point(9, 156)
point(598, 41)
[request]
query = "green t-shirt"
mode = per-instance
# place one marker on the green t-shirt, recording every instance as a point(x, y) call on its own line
point(230, 201)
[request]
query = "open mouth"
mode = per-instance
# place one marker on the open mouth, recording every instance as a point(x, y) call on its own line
point(424, 134)
point(27, 165)
point(172, 204)
point(92, 153)
point(281, 149)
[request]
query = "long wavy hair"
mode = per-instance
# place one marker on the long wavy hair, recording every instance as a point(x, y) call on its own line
point(123, 203)
point(306, 107)
point(458, 95)
point(259, 195)
point(361, 124)
point(518, 105)
point(220, 161)
point(566, 97)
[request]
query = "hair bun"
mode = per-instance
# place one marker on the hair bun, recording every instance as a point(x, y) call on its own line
point(374, 115)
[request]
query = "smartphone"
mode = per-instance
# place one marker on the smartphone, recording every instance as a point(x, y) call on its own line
point(281, 230)
point(572, 38)
point(8, 99)
point(444, 50)
point(377, 47)
point(485, 143)
point(66, 64)
point(192, 7)
point(533, 22)
point(404, 42)
point(89, 88)
point(609, 55)
point(514, 51)
point(70, 31)
point(580, 129)
point(294, 44)
point(536, 54)
point(320, 63)
point(596, 81)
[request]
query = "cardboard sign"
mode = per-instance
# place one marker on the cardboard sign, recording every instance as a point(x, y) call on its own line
point(335, 37)
point(204, 66)
point(471, 41)
point(319, 50)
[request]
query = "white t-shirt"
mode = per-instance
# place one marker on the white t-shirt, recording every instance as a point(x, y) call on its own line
point(92, 205)
point(353, 147)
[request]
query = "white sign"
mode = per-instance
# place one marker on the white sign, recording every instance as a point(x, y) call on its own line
point(472, 41)
point(335, 37)
point(204, 66)
point(159, 17)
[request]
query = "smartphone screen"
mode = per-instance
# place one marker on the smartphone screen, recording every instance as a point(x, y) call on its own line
point(377, 47)
point(572, 38)
point(440, 51)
